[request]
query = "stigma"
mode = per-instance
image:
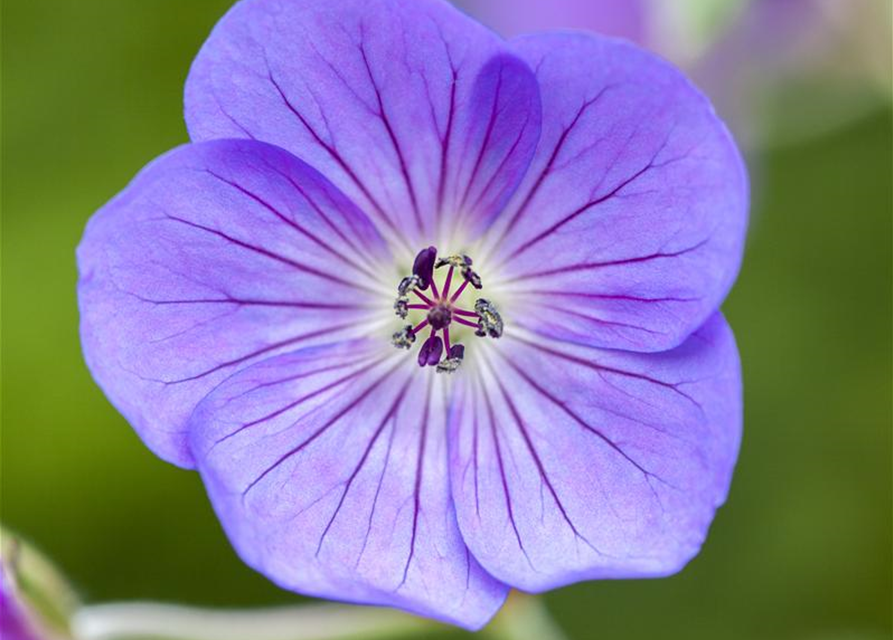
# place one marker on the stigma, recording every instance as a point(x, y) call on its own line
point(439, 309)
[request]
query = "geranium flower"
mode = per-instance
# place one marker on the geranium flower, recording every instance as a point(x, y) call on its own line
point(433, 314)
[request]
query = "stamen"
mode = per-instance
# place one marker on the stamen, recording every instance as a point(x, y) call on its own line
point(466, 323)
point(402, 306)
point(424, 298)
point(442, 310)
point(447, 282)
point(429, 354)
point(489, 320)
point(423, 266)
point(459, 291)
point(404, 338)
point(453, 261)
point(464, 264)
point(408, 284)
point(456, 355)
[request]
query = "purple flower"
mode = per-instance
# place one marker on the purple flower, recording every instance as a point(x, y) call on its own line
point(544, 228)
point(15, 623)
point(36, 602)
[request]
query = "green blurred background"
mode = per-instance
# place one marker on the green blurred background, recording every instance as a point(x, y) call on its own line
point(92, 91)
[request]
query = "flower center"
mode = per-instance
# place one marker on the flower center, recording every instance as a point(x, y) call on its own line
point(441, 309)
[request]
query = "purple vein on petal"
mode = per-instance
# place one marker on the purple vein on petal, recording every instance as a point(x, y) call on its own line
point(599, 296)
point(358, 362)
point(547, 169)
point(519, 137)
point(583, 266)
point(488, 132)
point(579, 420)
point(300, 447)
point(247, 302)
point(494, 427)
point(522, 429)
point(391, 413)
point(601, 321)
point(597, 367)
point(266, 349)
point(474, 448)
point(416, 496)
point(594, 202)
point(293, 224)
point(322, 214)
point(361, 365)
point(384, 470)
point(271, 254)
point(339, 159)
point(392, 136)
point(447, 136)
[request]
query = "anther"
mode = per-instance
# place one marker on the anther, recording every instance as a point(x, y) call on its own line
point(489, 320)
point(472, 277)
point(401, 306)
point(429, 354)
point(404, 338)
point(423, 266)
point(463, 263)
point(453, 261)
point(451, 363)
point(408, 284)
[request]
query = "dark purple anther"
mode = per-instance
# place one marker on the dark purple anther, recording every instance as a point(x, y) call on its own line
point(430, 352)
point(423, 267)
point(457, 351)
point(440, 317)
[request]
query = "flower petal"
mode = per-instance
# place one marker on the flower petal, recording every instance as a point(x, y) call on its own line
point(571, 463)
point(328, 470)
point(629, 228)
point(411, 108)
point(216, 255)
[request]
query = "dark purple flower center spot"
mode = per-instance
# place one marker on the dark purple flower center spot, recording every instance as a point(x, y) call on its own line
point(440, 316)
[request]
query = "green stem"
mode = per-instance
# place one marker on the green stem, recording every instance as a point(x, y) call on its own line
point(127, 621)
point(524, 617)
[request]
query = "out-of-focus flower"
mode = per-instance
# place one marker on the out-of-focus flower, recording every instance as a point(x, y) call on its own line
point(549, 225)
point(14, 619)
point(35, 601)
point(777, 70)
point(621, 18)
point(785, 70)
